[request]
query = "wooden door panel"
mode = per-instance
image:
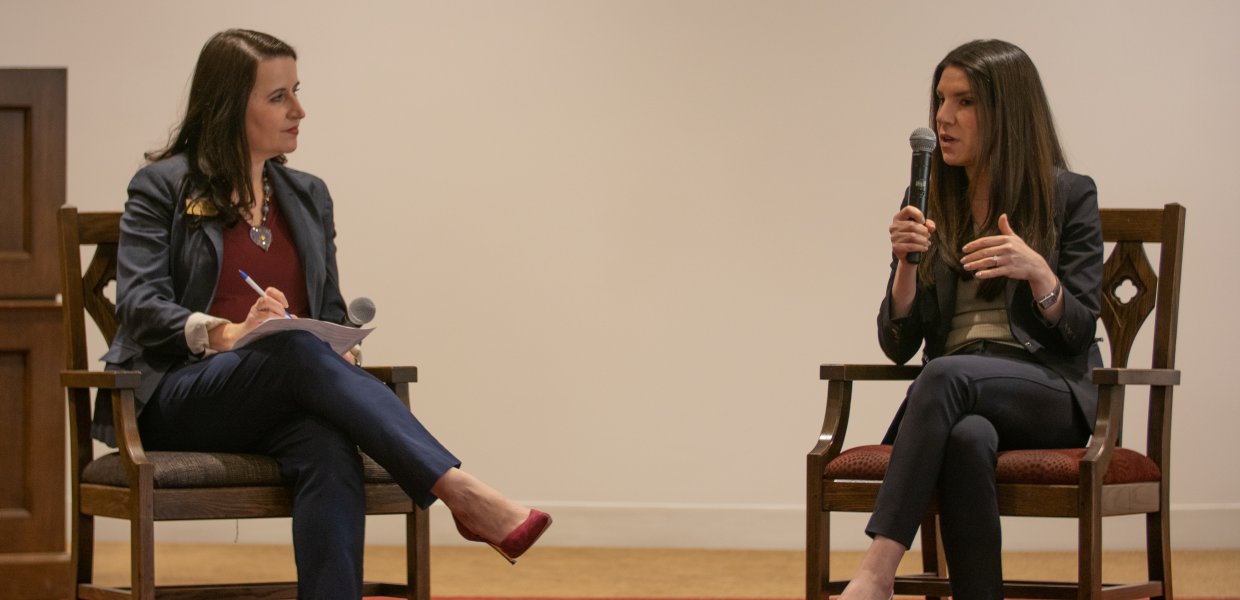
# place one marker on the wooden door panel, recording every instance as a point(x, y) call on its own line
point(32, 180)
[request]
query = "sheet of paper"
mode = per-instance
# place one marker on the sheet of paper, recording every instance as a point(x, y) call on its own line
point(339, 337)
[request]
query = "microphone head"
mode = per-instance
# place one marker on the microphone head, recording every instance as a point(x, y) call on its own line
point(923, 140)
point(361, 311)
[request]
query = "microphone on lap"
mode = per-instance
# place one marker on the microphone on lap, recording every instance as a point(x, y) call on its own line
point(923, 142)
point(361, 311)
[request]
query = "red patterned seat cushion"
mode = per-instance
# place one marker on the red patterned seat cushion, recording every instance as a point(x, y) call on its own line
point(864, 463)
point(1062, 466)
point(1059, 466)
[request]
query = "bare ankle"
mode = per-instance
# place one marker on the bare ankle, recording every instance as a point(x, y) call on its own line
point(867, 585)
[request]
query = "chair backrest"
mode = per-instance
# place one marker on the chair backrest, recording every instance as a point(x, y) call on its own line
point(1158, 292)
point(84, 290)
point(1155, 291)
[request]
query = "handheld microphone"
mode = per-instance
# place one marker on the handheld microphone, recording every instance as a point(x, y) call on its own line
point(923, 142)
point(361, 311)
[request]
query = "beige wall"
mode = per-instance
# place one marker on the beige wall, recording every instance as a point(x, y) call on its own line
point(618, 237)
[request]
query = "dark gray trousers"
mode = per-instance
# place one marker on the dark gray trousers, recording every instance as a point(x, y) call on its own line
point(959, 413)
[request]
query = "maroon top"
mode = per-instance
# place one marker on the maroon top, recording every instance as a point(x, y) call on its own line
point(278, 267)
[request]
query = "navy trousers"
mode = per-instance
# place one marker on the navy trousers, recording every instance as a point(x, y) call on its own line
point(960, 412)
point(290, 396)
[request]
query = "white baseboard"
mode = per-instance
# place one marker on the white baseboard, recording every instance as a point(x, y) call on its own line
point(757, 527)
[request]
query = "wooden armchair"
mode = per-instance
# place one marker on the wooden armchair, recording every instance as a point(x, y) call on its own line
point(145, 487)
point(1100, 480)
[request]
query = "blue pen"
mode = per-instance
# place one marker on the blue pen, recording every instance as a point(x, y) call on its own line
point(258, 289)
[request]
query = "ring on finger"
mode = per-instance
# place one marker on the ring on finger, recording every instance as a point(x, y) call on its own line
point(995, 258)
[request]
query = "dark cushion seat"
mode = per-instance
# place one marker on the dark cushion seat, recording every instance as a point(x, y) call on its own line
point(208, 469)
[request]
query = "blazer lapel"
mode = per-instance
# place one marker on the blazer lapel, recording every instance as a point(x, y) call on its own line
point(298, 210)
point(1009, 292)
point(945, 299)
point(215, 233)
point(196, 270)
point(945, 289)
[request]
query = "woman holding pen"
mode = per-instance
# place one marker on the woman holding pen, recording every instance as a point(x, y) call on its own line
point(219, 200)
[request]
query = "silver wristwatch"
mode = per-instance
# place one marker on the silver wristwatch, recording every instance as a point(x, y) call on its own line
point(1049, 300)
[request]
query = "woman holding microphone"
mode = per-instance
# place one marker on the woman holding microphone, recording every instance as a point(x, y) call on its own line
point(1003, 304)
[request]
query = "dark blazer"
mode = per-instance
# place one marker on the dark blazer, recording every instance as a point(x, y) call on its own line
point(169, 264)
point(1069, 347)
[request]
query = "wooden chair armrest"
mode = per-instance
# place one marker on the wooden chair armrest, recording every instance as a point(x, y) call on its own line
point(1136, 376)
point(398, 374)
point(869, 372)
point(840, 378)
point(138, 469)
point(108, 380)
point(1097, 453)
point(121, 386)
point(1108, 426)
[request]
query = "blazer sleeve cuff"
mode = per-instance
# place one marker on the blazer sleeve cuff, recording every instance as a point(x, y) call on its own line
point(196, 328)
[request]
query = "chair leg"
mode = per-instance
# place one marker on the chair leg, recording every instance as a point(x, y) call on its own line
point(817, 551)
point(142, 535)
point(933, 558)
point(1158, 550)
point(142, 557)
point(1089, 551)
point(418, 555)
point(83, 552)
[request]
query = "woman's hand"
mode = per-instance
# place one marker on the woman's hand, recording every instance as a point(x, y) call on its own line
point(268, 306)
point(910, 232)
point(1007, 255)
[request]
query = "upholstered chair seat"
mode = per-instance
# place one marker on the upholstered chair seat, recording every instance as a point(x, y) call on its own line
point(208, 469)
point(1059, 466)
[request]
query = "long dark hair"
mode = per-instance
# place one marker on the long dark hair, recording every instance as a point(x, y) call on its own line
point(212, 134)
point(1018, 149)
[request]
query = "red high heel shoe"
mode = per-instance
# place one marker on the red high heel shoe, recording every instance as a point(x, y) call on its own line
point(518, 540)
